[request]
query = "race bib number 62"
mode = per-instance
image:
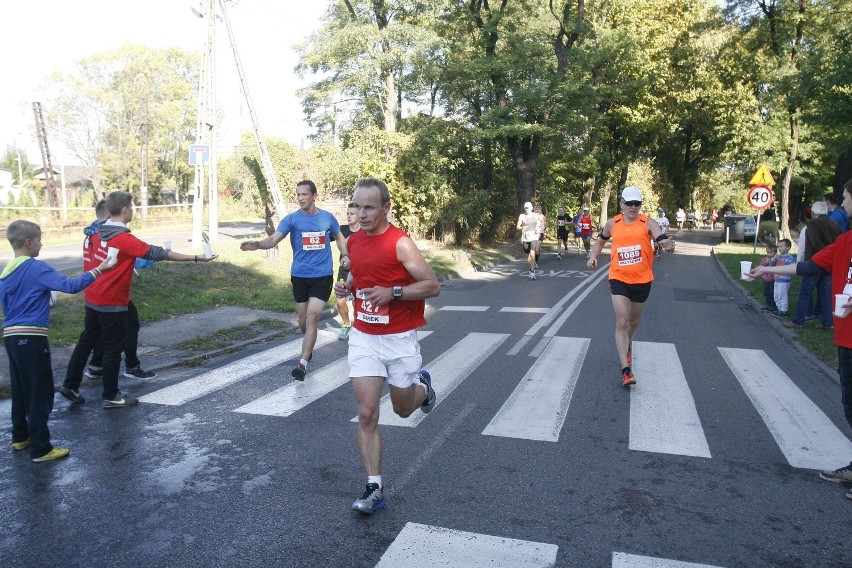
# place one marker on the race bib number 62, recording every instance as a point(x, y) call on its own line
point(313, 240)
point(629, 255)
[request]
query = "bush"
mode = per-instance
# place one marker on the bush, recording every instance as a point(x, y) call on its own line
point(768, 231)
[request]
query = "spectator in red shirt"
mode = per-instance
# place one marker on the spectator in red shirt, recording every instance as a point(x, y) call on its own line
point(836, 260)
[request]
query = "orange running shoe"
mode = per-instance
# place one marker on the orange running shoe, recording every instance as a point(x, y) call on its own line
point(629, 379)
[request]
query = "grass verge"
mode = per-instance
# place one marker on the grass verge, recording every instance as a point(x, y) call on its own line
point(818, 341)
point(248, 279)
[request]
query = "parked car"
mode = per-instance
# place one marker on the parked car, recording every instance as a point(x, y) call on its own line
point(749, 229)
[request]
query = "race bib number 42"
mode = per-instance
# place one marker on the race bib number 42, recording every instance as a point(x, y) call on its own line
point(367, 312)
point(313, 240)
point(629, 255)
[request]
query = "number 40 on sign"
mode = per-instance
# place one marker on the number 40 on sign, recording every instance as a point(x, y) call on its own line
point(760, 197)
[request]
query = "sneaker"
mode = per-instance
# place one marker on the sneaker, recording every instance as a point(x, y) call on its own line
point(72, 395)
point(588, 255)
point(792, 325)
point(628, 380)
point(821, 325)
point(344, 332)
point(426, 381)
point(120, 401)
point(371, 501)
point(532, 275)
point(299, 372)
point(559, 256)
point(94, 373)
point(842, 475)
point(778, 314)
point(767, 309)
point(139, 373)
point(16, 446)
point(54, 454)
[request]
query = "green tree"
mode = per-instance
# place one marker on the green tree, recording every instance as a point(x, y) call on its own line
point(107, 101)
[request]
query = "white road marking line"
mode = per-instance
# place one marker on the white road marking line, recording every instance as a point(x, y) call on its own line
point(589, 282)
point(624, 560)
point(456, 549)
point(464, 308)
point(516, 348)
point(240, 369)
point(298, 394)
point(537, 408)
point(570, 309)
point(525, 310)
point(805, 435)
point(448, 371)
point(663, 417)
point(539, 348)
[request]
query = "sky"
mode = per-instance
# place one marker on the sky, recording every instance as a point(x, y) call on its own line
point(43, 36)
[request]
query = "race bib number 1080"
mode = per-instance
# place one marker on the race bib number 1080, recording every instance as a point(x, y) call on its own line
point(629, 255)
point(313, 240)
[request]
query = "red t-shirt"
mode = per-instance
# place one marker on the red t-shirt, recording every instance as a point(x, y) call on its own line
point(836, 258)
point(112, 288)
point(375, 263)
point(586, 225)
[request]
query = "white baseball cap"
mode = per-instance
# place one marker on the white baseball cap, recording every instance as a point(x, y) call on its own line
point(631, 193)
point(527, 205)
point(585, 208)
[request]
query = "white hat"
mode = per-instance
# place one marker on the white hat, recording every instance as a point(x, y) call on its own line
point(819, 208)
point(585, 208)
point(631, 193)
point(527, 205)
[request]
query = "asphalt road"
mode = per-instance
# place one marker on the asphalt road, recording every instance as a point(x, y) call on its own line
point(535, 455)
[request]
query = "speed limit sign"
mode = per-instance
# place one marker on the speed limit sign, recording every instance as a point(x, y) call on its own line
point(760, 197)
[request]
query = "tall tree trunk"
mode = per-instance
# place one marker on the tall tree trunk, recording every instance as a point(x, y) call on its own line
point(525, 152)
point(391, 103)
point(843, 171)
point(784, 229)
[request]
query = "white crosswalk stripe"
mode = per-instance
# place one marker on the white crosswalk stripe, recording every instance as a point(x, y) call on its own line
point(663, 417)
point(240, 369)
point(537, 408)
point(460, 549)
point(624, 560)
point(448, 371)
point(806, 436)
point(298, 394)
point(663, 414)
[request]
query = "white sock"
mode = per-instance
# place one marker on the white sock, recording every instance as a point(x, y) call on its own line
point(303, 363)
point(375, 479)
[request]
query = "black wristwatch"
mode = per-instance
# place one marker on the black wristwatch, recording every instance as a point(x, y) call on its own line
point(397, 292)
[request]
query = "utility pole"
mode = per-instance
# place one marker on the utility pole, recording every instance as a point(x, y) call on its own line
point(143, 186)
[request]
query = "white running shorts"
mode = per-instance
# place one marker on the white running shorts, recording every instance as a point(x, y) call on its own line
point(395, 356)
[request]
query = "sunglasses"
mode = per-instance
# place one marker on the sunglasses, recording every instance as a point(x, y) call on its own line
point(633, 203)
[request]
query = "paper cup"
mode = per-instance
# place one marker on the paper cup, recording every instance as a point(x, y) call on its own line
point(53, 297)
point(112, 254)
point(839, 300)
point(745, 268)
point(208, 250)
point(167, 245)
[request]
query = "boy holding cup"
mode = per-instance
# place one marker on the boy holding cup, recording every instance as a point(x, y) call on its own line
point(835, 260)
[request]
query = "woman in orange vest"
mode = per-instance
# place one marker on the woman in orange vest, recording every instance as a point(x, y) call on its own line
point(630, 269)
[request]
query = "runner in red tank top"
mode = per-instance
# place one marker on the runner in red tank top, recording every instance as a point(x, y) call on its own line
point(630, 272)
point(390, 281)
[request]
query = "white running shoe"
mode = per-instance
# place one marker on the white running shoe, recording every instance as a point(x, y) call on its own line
point(532, 274)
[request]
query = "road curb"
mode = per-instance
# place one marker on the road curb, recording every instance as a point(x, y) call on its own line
point(787, 334)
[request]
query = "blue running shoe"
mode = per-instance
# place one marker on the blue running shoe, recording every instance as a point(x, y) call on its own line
point(429, 401)
point(371, 501)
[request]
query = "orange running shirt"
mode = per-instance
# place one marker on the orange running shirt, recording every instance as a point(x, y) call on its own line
point(632, 256)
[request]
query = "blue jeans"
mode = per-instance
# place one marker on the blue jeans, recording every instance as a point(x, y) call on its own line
point(805, 301)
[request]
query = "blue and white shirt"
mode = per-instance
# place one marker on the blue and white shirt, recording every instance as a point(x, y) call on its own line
point(310, 237)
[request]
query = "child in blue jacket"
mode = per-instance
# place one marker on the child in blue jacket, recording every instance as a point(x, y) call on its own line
point(25, 296)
